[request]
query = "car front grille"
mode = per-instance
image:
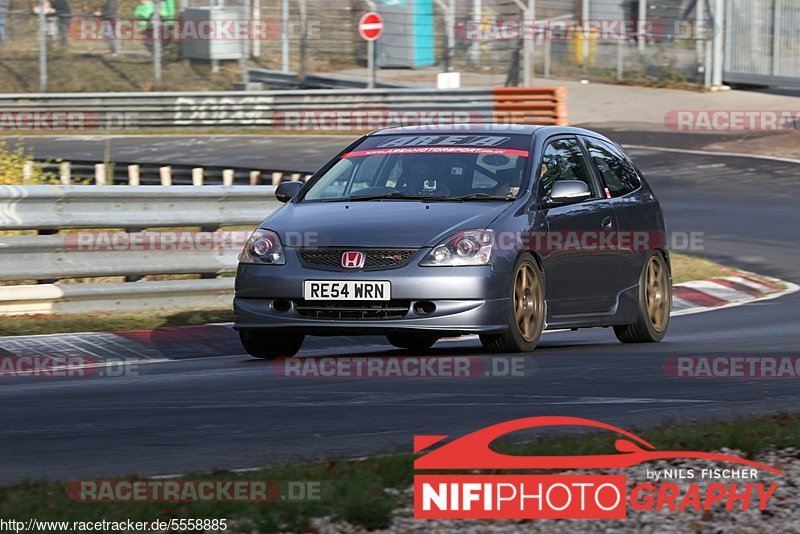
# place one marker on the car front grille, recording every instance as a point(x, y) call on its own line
point(375, 258)
point(352, 310)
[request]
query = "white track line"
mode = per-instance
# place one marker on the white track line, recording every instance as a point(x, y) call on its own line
point(713, 153)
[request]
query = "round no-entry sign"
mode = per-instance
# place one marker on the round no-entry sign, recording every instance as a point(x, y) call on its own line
point(370, 26)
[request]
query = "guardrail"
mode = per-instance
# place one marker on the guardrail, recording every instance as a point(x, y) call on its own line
point(320, 110)
point(69, 245)
point(47, 207)
point(278, 79)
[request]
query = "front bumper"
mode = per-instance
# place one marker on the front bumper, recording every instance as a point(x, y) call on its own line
point(467, 300)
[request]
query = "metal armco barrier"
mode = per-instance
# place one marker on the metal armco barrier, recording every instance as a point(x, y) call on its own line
point(90, 254)
point(322, 110)
point(46, 207)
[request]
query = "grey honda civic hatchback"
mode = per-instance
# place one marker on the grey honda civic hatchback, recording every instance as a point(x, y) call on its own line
point(418, 233)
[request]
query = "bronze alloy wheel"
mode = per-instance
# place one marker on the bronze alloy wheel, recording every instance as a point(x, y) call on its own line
point(654, 303)
point(657, 294)
point(526, 310)
point(528, 301)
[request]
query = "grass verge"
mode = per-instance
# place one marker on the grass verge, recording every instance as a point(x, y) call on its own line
point(21, 325)
point(356, 490)
point(684, 268)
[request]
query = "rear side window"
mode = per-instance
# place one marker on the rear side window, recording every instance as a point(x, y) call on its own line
point(617, 172)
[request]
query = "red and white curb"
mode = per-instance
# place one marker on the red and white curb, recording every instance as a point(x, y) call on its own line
point(725, 292)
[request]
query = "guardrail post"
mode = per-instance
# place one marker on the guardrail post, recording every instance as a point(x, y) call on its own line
point(166, 175)
point(197, 176)
point(65, 172)
point(296, 177)
point(27, 172)
point(276, 178)
point(255, 177)
point(227, 177)
point(209, 229)
point(133, 175)
point(133, 277)
point(46, 232)
point(100, 174)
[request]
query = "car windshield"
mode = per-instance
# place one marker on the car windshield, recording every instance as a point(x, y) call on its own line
point(428, 168)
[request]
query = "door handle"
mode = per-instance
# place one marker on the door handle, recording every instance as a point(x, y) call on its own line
point(607, 223)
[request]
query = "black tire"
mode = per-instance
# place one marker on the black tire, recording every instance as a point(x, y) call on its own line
point(270, 344)
point(524, 302)
point(654, 294)
point(412, 342)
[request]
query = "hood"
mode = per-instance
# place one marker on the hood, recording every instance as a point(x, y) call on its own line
point(401, 224)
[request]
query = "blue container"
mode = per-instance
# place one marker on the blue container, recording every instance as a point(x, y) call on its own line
point(407, 39)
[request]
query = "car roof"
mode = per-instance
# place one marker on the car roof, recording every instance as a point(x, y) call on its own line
point(489, 128)
point(474, 128)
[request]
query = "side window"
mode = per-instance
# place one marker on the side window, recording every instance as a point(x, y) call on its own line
point(618, 173)
point(564, 160)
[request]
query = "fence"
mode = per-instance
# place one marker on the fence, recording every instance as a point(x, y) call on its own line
point(82, 251)
point(763, 42)
point(676, 48)
point(343, 110)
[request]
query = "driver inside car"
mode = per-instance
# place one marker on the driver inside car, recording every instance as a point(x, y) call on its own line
point(419, 178)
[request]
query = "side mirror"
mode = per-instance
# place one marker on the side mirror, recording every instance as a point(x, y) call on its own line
point(567, 192)
point(287, 190)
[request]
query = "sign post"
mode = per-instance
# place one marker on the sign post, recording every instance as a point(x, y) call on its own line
point(370, 28)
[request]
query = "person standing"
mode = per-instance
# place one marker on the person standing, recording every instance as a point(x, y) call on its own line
point(110, 19)
point(63, 15)
point(143, 13)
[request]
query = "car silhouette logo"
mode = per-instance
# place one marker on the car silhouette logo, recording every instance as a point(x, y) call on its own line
point(353, 260)
point(473, 451)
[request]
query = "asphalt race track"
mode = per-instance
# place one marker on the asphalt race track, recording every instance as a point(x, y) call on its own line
point(233, 412)
point(256, 152)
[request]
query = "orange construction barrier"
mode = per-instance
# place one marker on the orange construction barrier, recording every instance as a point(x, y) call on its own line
point(530, 105)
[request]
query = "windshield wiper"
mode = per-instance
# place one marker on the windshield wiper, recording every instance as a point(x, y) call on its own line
point(399, 195)
point(392, 195)
point(482, 196)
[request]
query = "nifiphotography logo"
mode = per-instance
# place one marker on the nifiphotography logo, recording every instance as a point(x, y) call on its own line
point(571, 496)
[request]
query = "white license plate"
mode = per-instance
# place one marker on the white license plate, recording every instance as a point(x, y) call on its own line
point(346, 290)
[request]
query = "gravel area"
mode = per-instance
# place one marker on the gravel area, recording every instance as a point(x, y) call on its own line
point(782, 513)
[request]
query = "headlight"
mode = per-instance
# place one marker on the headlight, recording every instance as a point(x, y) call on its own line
point(263, 247)
point(471, 247)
